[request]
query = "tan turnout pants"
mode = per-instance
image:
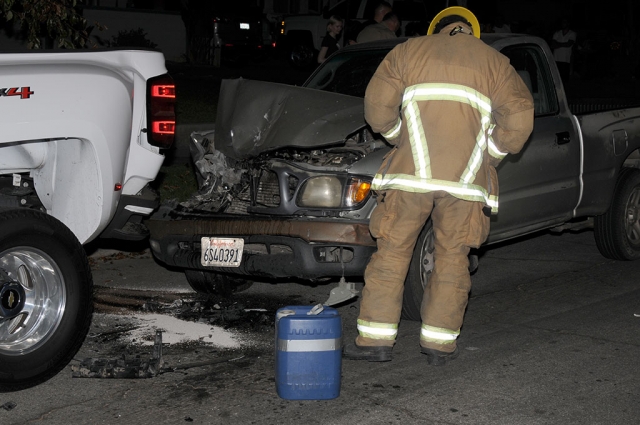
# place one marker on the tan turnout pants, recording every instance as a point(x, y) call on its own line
point(396, 223)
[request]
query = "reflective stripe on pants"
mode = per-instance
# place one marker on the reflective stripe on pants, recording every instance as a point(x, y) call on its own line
point(378, 331)
point(431, 334)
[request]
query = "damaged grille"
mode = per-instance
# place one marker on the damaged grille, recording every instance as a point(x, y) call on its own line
point(266, 184)
point(268, 193)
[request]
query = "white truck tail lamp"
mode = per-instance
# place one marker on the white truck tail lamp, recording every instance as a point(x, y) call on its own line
point(161, 115)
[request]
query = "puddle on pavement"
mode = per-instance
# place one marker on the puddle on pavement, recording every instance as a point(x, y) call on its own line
point(238, 311)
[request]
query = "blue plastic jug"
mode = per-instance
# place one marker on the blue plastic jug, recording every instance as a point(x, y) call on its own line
point(308, 352)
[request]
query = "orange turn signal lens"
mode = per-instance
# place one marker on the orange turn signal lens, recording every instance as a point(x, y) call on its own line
point(358, 191)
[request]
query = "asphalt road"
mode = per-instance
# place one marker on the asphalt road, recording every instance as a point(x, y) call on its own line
point(551, 336)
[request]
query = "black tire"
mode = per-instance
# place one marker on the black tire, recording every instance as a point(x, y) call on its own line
point(420, 270)
point(48, 261)
point(419, 273)
point(212, 283)
point(617, 232)
point(302, 56)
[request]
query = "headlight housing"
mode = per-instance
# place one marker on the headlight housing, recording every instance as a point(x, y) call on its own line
point(334, 192)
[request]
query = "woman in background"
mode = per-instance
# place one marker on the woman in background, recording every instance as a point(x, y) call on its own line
point(330, 41)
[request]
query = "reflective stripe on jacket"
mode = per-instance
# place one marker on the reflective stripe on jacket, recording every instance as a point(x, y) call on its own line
point(422, 180)
point(454, 108)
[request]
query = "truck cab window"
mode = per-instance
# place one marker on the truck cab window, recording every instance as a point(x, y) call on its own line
point(530, 64)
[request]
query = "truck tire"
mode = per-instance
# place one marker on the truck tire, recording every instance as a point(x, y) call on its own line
point(299, 47)
point(617, 232)
point(212, 283)
point(43, 259)
point(420, 269)
point(419, 273)
point(302, 56)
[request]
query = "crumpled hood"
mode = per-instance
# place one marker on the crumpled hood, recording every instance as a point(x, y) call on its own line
point(255, 117)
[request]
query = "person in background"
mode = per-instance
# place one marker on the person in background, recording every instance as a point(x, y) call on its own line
point(379, 12)
point(330, 41)
point(562, 45)
point(384, 30)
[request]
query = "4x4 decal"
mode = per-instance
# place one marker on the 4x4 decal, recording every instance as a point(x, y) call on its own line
point(23, 92)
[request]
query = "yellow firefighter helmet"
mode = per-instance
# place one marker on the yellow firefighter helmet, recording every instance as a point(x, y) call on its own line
point(460, 11)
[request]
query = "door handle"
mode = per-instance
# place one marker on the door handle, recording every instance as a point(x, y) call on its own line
point(563, 137)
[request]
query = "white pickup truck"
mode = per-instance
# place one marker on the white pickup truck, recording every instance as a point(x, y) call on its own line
point(82, 134)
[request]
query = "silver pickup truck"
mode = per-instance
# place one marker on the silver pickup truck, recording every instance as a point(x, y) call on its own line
point(284, 182)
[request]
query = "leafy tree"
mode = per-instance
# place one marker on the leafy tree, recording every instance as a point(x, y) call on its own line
point(59, 20)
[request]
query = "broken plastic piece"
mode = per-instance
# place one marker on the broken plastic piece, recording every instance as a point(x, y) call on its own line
point(341, 293)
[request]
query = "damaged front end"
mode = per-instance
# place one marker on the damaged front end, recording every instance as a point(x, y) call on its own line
point(299, 209)
point(285, 182)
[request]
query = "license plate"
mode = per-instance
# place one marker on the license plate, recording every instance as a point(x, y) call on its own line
point(221, 252)
point(244, 26)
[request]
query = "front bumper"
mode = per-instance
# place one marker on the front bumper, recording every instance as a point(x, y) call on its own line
point(274, 248)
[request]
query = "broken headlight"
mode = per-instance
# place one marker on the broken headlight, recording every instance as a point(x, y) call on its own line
point(333, 192)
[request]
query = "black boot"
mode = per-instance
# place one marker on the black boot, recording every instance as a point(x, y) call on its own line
point(371, 354)
point(439, 358)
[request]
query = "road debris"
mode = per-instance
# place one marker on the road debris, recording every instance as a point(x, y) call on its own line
point(125, 367)
point(136, 367)
point(9, 405)
point(222, 312)
point(202, 363)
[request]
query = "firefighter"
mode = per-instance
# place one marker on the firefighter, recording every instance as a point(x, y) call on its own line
point(453, 108)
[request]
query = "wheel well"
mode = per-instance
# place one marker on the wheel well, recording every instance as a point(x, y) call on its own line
point(633, 160)
point(17, 191)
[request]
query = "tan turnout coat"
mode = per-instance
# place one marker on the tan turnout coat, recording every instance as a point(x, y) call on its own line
point(453, 107)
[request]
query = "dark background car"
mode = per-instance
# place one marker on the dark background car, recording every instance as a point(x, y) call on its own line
point(227, 31)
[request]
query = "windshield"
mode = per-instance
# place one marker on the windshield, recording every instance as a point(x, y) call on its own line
point(348, 72)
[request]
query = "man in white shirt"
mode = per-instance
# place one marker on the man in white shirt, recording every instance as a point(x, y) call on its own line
point(562, 45)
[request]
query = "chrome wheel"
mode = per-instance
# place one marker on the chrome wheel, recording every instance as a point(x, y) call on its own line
point(632, 223)
point(419, 273)
point(45, 297)
point(44, 302)
point(426, 255)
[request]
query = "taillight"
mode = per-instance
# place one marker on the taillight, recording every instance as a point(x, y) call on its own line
point(161, 112)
